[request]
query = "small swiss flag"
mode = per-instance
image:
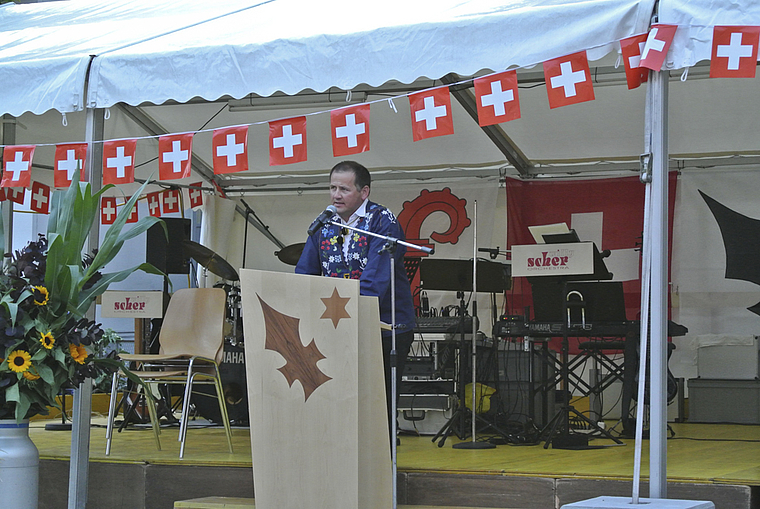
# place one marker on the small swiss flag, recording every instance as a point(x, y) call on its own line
point(196, 195)
point(107, 210)
point(497, 98)
point(734, 51)
point(40, 198)
point(431, 113)
point(568, 80)
point(631, 48)
point(657, 45)
point(69, 158)
point(2, 194)
point(287, 141)
point(174, 155)
point(154, 204)
point(170, 200)
point(350, 130)
point(133, 216)
point(16, 194)
point(230, 149)
point(17, 166)
point(119, 161)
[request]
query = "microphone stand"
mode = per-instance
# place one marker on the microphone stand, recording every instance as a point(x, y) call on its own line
point(390, 248)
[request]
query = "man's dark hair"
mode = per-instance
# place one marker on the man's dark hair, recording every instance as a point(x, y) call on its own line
point(361, 174)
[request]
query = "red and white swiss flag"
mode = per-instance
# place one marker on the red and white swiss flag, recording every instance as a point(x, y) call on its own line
point(657, 45)
point(196, 195)
point(16, 194)
point(734, 51)
point(174, 155)
point(17, 166)
point(287, 141)
point(631, 49)
point(154, 204)
point(350, 130)
point(108, 210)
point(133, 216)
point(119, 161)
point(230, 149)
point(2, 194)
point(40, 198)
point(497, 98)
point(69, 158)
point(170, 200)
point(568, 80)
point(431, 113)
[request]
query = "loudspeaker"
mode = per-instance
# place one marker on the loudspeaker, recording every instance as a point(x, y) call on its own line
point(168, 257)
point(232, 369)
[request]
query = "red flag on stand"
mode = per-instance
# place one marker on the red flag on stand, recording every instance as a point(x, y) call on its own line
point(568, 80)
point(287, 141)
point(119, 161)
point(497, 98)
point(734, 51)
point(431, 113)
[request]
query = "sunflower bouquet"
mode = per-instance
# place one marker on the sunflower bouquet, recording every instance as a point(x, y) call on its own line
point(47, 341)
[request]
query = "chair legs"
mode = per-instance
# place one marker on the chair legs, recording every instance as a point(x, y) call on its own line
point(112, 411)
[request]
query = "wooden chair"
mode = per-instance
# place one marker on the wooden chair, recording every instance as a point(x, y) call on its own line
point(192, 346)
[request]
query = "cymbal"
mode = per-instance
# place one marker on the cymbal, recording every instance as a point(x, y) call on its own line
point(290, 254)
point(209, 259)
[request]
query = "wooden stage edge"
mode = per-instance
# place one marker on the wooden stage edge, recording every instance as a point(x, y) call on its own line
point(720, 463)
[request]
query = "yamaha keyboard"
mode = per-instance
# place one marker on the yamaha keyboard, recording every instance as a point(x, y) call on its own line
point(442, 324)
point(517, 328)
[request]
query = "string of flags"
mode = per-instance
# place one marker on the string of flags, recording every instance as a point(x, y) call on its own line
point(568, 81)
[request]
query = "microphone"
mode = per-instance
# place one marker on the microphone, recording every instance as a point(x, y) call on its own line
point(321, 219)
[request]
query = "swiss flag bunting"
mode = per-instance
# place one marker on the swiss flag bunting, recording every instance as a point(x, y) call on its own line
point(69, 158)
point(497, 99)
point(133, 216)
point(568, 80)
point(230, 150)
point(350, 130)
point(119, 161)
point(657, 45)
point(287, 141)
point(431, 113)
point(196, 195)
point(40, 198)
point(170, 200)
point(174, 156)
point(2, 194)
point(154, 204)
point(631, 49)
point(107, 210)
point(17, 166)
point(16, 194)
point(734, 51)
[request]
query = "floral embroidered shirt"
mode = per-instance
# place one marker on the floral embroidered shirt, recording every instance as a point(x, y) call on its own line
point(339, 252)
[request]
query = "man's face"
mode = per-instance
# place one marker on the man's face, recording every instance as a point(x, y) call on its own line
point(344, 195)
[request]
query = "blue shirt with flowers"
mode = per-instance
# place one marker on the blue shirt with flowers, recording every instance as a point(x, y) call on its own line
point(324, 255)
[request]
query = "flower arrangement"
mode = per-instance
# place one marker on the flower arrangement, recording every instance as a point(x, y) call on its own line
point(47, 341)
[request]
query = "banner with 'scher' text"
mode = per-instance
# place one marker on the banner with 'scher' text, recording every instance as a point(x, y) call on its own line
point(553, 259)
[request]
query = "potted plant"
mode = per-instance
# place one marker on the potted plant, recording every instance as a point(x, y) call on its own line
point(47, 342)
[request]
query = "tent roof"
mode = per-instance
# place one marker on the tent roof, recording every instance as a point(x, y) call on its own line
point(153, 51)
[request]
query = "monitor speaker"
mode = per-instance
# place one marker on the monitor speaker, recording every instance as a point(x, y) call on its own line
point(168, 257)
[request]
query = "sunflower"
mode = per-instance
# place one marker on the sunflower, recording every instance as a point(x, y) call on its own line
point(41, 295)
point(78, 353)
point(19, 361)
point(31, 374)
point(47, 340)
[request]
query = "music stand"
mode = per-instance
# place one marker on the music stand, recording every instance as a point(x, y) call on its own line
point(456, 275)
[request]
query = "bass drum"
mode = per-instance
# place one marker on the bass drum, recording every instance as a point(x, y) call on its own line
point(235, 390)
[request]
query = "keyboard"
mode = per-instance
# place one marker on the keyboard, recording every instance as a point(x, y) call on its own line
point(442, 324)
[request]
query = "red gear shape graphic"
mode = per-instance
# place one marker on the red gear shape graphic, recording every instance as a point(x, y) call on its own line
point(416, 211)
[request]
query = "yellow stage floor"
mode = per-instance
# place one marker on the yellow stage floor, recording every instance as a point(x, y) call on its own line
point(699, 453)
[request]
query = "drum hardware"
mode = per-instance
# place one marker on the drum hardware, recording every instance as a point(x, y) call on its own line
point(290, 254)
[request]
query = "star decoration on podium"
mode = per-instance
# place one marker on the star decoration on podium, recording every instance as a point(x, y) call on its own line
point(335, 307)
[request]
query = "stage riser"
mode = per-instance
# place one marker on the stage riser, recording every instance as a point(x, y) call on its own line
point(146, 486)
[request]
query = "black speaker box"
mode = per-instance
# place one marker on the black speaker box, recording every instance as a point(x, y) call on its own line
point(168, 257)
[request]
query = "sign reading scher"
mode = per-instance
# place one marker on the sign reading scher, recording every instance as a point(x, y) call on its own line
point(553, 259)
point(132, 304)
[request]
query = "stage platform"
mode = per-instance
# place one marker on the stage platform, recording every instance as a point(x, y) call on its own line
point(717, 462)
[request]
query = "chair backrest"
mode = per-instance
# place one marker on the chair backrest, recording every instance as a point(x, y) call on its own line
point(194, 323)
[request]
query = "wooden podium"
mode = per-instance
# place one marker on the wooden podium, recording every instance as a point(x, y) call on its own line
point(316, 391)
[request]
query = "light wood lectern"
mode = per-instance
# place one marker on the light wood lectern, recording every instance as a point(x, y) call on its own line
point(316, 392)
